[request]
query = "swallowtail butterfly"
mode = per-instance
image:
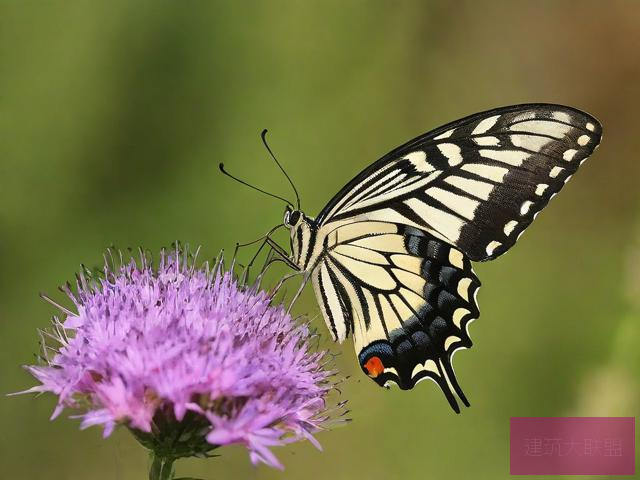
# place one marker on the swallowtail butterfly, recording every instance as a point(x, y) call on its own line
point(390, 255)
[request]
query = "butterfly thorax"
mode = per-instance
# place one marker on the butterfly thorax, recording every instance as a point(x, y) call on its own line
point(302, 230)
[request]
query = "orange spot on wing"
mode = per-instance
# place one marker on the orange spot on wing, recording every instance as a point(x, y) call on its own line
point(374, 367)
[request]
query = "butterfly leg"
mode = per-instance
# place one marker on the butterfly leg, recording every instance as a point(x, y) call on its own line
point(259, 239)
point(262, 238)
point(283, 280)
point(299, 292)
point(270, 260)
point(283, 255)
point(245, 274)
point(280, 256)
point(276, 254)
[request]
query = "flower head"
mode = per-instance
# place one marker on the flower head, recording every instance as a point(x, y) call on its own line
point(187, 358)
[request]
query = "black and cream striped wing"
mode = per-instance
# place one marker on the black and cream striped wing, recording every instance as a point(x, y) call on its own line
point(405, 296)
point(477, 183)
point(397, 240)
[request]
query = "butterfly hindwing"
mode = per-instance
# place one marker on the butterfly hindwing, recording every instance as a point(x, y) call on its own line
point(477, 183)
point(406, 296)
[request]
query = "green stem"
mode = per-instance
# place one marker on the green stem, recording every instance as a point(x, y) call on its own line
point(162, 468)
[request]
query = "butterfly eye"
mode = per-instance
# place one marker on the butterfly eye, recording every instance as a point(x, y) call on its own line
point(294, 217)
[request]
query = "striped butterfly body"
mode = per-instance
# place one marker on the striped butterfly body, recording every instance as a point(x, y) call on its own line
point(390, 255)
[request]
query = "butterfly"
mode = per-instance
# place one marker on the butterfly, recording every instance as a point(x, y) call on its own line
point(390, 256)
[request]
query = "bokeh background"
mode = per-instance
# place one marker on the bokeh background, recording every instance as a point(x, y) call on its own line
point(115, 115)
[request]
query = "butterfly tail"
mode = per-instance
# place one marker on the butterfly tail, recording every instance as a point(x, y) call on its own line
point(451, 377)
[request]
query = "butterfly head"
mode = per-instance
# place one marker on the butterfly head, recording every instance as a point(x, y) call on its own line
point(292, 218)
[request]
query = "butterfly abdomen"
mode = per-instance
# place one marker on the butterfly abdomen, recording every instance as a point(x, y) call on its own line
point(303, 243)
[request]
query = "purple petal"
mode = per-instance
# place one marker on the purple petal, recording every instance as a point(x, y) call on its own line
point(184, 339)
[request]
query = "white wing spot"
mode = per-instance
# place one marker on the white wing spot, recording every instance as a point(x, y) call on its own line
point(456, 259)
point(583, 140)
point(417, 369)
point(450, 341)
point(542, 127)
point(555, 171)
point(530, 142)
point(442, 222)
point(591, 127)
point(452, 152)
point(487, 141)
point(429, 365)
point(458, 315)
point(561, 117)
point(567, 179)
point(419, 160)
point(569, 154)
point(509, 226)
point(463, 288)
point(464, 206)
point(392, 371)
point(416, 156)
point(492, 246)
point(474, 187)
point(541, 188)
point(511, 157)
point(485, 125)
point(525, 116)
point(490, 172)
point(526, 205)
point(446, 134)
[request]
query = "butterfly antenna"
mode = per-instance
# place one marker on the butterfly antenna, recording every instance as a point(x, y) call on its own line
point(254, 187)
point(295, 190)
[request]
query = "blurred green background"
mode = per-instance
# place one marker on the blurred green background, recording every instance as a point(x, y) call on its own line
point(115, 115)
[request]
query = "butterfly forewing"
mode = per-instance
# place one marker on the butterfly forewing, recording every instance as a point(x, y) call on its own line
point(476, 183)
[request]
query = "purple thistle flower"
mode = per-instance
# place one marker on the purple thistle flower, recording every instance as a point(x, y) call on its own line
point(187, 358)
